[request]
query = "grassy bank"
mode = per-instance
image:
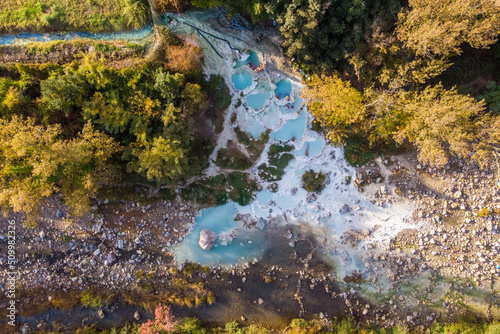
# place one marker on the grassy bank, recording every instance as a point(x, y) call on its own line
point(72, 15)
point(62, 52)
point(296, 326)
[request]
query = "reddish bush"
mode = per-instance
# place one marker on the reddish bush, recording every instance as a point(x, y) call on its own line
point(184, 58)
point(164, 321)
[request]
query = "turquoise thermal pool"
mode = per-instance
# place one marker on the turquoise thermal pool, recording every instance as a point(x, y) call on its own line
point(253, 58)
point(242, 80)
point(232, 245)
point(284, 89)
point(255, 129)
point(313, 148)
point(292, 129)
point(257, 101)
point(292, 107)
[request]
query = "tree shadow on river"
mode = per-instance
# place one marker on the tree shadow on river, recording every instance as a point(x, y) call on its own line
point(288, 282)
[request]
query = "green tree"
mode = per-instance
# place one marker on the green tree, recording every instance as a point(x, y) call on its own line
point(491, 96)
point(136, 12)
point(64, 93)
point(440, 124)
point(112, 116)
point(84, 166)
point(386, 113)
point(336, 105)
point(27, 165)
point(193, 98)
point(321, 34)
point(487, 148)
point(34, 163)
point(167, 85)
point(312, 181)
point(439, 27)
point(161, 159)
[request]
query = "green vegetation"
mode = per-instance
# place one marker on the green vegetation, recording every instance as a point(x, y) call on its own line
point(431, 29)
point(67, 15)
point(318, 34)
point(242, 188)
point(232, 158)
point(313, 182)
point(491, 96)
point(396, 55)
point(35, 163)
point(237, 187)
point(278, 158)
point(210, 192)
point(90, 298)
point(220, 99)
point(298, 326)
point(484, 212)
point(254, 146)
point(88, 124)
point(336, 105)
point(179, 292)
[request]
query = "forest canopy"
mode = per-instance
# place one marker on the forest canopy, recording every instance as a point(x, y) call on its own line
point(385, 76)
point(76, 127)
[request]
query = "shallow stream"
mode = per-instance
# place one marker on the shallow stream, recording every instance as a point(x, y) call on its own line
point(23, 38)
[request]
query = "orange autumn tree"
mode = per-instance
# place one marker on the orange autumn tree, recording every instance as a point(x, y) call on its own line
point(184, 58)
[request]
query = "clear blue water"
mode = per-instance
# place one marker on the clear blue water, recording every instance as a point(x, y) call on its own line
point(244, 247)
point(255, 129)
point(256, 101)
point(254, 58)
point(287, 202)
point(125, 35)
point(315, 147)
point(293, 128)
point(254, 209)
point(264, 196)
point(242, 80)
point(296, 106)
point(284, 89)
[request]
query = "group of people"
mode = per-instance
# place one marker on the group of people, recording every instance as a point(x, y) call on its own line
point(287, 97)
point(259, 68)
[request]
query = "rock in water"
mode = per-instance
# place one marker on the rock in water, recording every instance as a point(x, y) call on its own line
point(101, 314)
point(207, 239)
point(344, 208)
point(261, 223)
point(137, 316)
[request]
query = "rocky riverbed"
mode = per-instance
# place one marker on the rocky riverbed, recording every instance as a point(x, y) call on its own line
point(446, 266)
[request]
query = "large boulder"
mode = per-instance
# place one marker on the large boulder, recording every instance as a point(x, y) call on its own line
point(207, 239)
